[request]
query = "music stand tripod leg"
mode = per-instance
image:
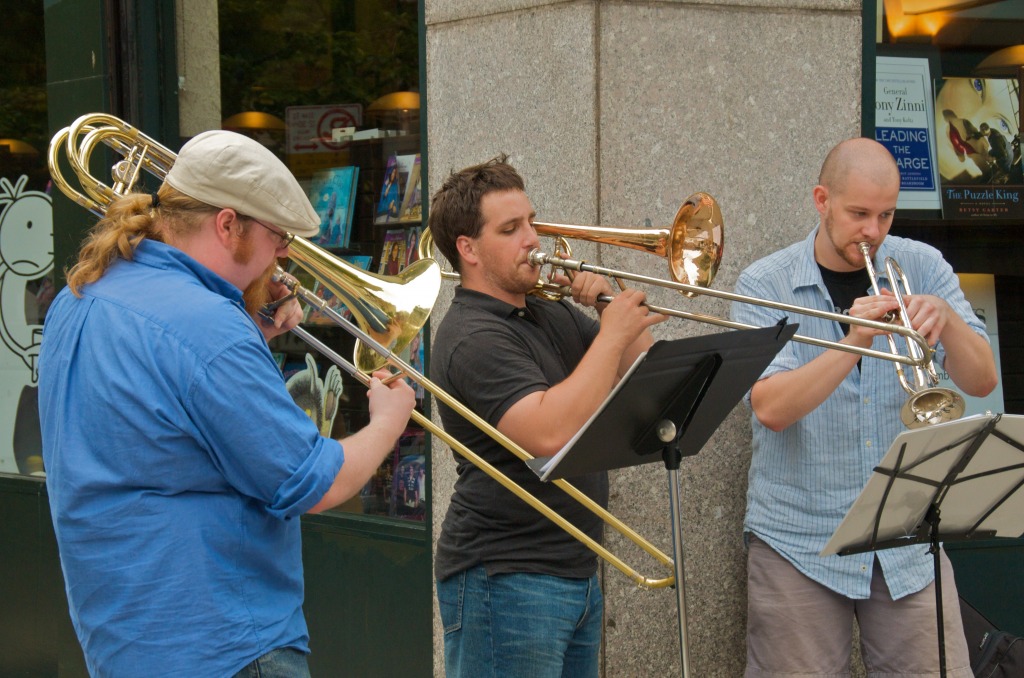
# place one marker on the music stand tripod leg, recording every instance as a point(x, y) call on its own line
point(672, 457)
point(932, 518)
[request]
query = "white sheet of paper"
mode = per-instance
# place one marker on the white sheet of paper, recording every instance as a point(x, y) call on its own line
point(993, 473)
point(547, 468)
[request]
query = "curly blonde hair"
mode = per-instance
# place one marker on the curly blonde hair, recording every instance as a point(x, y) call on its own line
point(126, 222)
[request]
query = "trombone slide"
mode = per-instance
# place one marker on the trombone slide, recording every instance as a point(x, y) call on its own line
point(443, 396)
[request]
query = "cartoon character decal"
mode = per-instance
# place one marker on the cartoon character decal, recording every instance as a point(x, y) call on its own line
point(26, 260)
point(318, 397)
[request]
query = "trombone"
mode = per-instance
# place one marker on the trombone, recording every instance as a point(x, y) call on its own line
point(389, 310)
point(692, 245)
point(478, 461)
point(539, 258)
point(928, 403)
point(693, 248)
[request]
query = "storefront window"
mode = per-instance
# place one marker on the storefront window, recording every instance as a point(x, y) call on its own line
point(26, 234)
point(332, 88)
point(948, 104)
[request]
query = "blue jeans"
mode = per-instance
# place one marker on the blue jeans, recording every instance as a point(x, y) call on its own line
point(284, 662)
point(529, 625)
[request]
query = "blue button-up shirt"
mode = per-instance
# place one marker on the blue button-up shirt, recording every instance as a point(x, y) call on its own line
point(177, 464)
point(804, 478)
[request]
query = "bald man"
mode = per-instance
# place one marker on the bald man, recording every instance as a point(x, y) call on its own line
point(824, 418)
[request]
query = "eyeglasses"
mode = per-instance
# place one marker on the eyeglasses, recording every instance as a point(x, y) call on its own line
point(284, 238)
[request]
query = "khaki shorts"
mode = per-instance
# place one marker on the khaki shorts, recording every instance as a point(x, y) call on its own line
point(797, 627)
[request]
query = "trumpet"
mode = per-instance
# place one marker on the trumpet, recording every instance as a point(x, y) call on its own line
point(927, 403)
point(389, 311)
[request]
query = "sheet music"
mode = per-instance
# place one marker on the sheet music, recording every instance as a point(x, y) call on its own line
point(984, 495)
point(546, 469)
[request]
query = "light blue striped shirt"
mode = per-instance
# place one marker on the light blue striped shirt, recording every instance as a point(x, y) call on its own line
point(803, 479)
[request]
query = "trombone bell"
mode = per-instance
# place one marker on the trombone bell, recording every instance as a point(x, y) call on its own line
point(692, 245)
point(697, 241)
point(391, 309)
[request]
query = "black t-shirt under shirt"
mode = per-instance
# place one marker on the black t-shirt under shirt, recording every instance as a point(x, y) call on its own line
point(845, 288)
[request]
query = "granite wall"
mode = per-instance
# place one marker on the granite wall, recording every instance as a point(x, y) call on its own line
point(615, 112)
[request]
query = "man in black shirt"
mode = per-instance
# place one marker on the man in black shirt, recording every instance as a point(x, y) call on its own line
point(517, 594)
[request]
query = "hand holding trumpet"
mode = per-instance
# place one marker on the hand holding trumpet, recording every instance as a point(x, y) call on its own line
point(928, 314)
point(881, 307)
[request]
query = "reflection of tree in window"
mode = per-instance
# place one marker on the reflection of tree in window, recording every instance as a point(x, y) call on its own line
point(276, 54)
point(23, 120)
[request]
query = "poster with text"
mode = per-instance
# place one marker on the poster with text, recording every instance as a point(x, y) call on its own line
point(903, 124)
point(977, 125)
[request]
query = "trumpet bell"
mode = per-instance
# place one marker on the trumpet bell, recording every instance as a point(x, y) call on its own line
point(932, 406)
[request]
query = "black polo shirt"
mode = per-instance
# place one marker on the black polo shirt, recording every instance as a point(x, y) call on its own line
point(489, 354)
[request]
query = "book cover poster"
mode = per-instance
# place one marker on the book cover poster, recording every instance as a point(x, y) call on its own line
point(413, 354)
point(360, 260)
point(408, 487)
point(389, 203)
point(314, 316)
point(980, 291)
point(412, 244)
point(392, 191)
point(392, 256)
point(398, 486)
point(412, 205)
point(376, 494)
point(903, 124)
point(333, 193)
point(279, 357)
point(977, 125)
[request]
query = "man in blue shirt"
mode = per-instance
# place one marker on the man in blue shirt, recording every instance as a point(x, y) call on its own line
point(177, 463)
point(823, 419)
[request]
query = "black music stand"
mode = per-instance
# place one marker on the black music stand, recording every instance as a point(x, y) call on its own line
point(972, 470)
point(675, 397)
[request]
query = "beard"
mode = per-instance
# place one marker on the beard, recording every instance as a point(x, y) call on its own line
point(257, 294)
point(514, 278)
point(856, 261)
point(244, 251)
point(514, 283)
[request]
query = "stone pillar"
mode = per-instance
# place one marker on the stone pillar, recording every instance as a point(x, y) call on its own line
point(615, 112)
point(198, 41)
